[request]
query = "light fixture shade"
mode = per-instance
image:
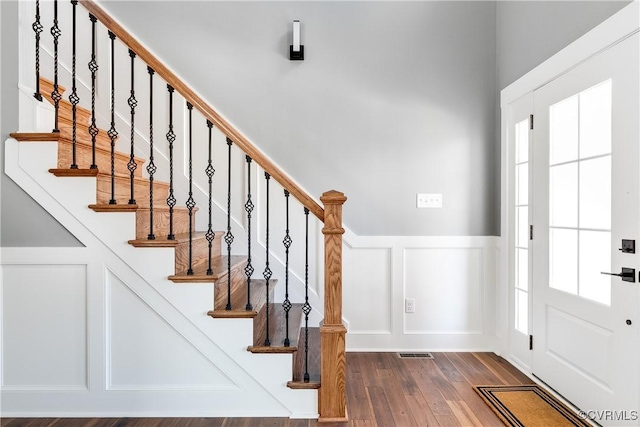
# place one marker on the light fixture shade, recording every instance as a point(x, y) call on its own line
point(296, 50)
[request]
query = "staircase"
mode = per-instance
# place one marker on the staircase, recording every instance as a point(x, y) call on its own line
point(205, 256)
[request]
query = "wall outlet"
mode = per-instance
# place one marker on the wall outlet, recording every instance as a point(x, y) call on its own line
point(428, 200)
point(409, 305)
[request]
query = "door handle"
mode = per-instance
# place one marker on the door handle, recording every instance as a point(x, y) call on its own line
point(627, 274)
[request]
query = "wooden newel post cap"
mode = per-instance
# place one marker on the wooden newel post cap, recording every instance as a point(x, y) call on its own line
point(333, 197)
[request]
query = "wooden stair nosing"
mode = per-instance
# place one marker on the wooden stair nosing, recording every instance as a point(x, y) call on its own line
point(121, 207)
point(165, 243)
point(35, 136)
point(80, 172)
point(237, 313)
point(301, 385)
point(277, 331)
point(220, 270)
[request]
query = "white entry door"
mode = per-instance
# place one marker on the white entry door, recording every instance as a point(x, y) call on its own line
point(585, 191)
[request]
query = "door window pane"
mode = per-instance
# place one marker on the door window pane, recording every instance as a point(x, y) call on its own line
point(522, 311)
point(580, 193)
point(522, 141)
point(563, 260)
point(595, 120)
point(595, 193)
point(522, 276)
point(595, 257)
point(522, 226)
point(563, 137)
point(521, 256)
point(563, 195)
point(522, 177)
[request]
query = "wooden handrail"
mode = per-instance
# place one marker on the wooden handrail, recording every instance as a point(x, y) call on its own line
point(204, 108)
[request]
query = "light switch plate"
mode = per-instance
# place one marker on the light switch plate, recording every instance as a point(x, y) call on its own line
point(424, 200)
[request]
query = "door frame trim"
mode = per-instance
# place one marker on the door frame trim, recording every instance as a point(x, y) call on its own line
point(619, 26)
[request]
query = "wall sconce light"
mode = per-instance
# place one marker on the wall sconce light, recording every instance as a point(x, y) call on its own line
point(296, 50)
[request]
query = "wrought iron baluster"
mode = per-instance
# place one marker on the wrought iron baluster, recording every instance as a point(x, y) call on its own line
point(37, 28)
point(133, 103)
point(93, 67)
point(306, 307)
point(228, 237)
point(286, 305)
point(210, 171)
point(190, 202)
point(113, 134)
point(73, 97)
point(55, 95)
point(151, 167)
point(171, 137)
point(267, 271)
point(248, 207)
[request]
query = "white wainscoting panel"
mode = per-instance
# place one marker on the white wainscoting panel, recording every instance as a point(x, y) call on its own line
point(146, 353)
point(367, 299)
point(452, 280)
point(44, 318)
point(446, 284)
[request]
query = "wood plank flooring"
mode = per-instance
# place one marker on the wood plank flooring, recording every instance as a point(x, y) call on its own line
point(382, 391)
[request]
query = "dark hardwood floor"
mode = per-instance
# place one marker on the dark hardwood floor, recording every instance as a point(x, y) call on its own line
point(382, 390)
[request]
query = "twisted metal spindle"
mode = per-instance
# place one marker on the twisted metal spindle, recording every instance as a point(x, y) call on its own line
point(73, 97)
point(190, 202)
point(228, 237)
point(55, 95)
point(286, 305)
point(37, 28)
point(248, 207)
point(210, 235)
point(267, 271)
point(306, 307)
point(171, 137)
point(151, 167)
point(133, 103)
point(113, 134)
point(93, 67)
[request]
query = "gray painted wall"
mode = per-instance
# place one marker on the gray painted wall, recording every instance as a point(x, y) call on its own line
point(529, 32)
point(392, 99)
point(24, 222)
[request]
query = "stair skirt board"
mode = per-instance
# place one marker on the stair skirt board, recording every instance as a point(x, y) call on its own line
point(143, 272)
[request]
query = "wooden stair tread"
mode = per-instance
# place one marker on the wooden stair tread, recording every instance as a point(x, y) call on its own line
point(35, 136)
point(181, 238)
point(239, 300)
point(314, 361)
point(219, 267)
point(62, 173)
point(119, 207)
point(277, 330)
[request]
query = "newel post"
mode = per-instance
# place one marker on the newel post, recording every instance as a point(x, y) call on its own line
point(332, 398)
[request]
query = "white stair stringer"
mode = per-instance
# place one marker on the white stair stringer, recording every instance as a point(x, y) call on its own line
point(260, 379)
